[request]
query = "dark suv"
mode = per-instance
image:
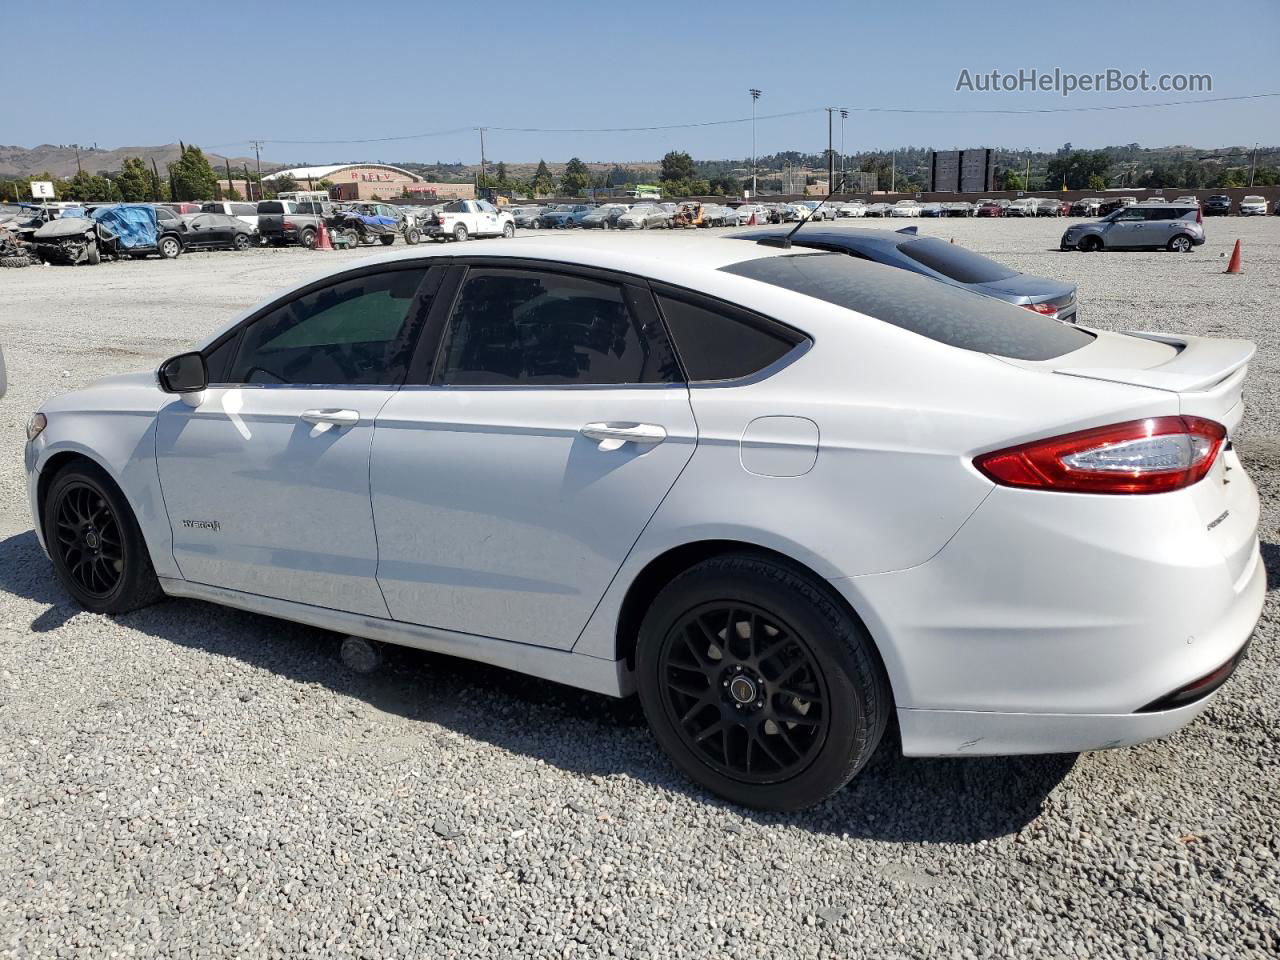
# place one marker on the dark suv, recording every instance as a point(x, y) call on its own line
point(1217, 206)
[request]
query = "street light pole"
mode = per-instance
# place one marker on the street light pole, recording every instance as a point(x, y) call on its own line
point(831, 152)
point(755, 95)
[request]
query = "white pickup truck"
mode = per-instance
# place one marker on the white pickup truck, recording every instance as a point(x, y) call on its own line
point(463, 219)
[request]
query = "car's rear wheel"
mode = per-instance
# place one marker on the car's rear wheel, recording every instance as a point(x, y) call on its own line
point(1090, 245)
point(460, 233)
point(94, 541)
point(307, 238)
point(169, 247)
point(758, 684)
point(1180, 244)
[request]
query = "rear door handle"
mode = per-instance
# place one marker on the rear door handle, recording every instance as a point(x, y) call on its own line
point(613, 435)
point(339, 418)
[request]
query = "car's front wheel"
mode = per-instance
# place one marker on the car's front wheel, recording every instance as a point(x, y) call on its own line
point(508, 230)
point(94, 541)
point(758, 684)
point(1089, 245)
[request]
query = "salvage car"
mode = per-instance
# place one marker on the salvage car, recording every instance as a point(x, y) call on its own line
point(932, 257)
point(1143, 226)
point(216, 231)
point(777, 454)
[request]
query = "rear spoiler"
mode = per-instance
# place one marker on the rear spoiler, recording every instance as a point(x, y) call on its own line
point(1201, 363)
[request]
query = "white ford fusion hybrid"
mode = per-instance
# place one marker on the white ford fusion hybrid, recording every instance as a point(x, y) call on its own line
point(783, 495)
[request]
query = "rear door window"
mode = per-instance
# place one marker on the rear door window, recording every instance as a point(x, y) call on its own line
point(924, 306)
point(514, 327)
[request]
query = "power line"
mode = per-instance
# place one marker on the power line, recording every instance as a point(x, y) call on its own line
point(958, 111)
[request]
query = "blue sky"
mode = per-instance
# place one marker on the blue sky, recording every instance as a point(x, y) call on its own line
point(393, 68)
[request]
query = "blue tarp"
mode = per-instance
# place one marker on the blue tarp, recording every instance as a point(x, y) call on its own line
point(377, 221)
point(133, 226)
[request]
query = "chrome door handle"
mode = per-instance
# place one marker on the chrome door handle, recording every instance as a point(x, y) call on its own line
point(339, 418)
point(614, 435)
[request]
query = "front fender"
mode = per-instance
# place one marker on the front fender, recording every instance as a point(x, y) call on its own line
point(123, 444)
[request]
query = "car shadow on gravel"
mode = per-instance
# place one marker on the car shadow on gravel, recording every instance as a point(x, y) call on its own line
point(962, 800)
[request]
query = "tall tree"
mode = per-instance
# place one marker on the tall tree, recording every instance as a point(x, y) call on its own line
point(192, 177)
point(677, 165)
point(576, 179)
point(85, 186)
point(135, 181)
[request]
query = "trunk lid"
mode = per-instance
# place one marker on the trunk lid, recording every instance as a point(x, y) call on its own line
point(1206, 373)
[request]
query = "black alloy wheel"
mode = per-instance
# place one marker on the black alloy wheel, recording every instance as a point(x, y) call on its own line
point(745, 692)
point(759, 683)
point(88, 540)
point(94, 541)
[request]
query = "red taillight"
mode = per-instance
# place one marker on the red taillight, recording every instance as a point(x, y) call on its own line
point(1048, 309)
point(288, 225)
point(439, 219)
point(1199, 215)
point(1155, 455)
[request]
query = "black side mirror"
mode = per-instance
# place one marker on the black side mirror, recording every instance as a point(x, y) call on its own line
point(185, 373)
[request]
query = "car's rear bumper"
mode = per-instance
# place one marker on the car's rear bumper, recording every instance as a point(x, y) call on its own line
point(1056, 625)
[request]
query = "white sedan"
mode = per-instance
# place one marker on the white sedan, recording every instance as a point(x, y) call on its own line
point(858, 209)
point(785, 495)
point(905, 208)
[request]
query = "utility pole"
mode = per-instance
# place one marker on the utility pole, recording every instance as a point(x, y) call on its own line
point(844, 115)
point(893, 174)
point(80, 169)
point(257, 156)
point(831, 151)
point(1026, 180)
point(755, 95)
point(482, 177)
point(1253, 164)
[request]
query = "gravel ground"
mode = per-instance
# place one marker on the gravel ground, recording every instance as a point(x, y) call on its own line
point(192, 781)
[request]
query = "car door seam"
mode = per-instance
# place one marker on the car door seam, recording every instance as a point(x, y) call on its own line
point(697, 439)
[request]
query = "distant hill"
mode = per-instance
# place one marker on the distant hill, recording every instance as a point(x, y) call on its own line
point(60, 159)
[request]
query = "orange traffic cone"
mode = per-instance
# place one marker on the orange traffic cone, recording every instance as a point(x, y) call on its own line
point(1234, 265)
point(322, 238)
point(752, 221)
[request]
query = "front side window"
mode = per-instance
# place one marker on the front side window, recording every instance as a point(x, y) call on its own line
point(533, 328)
point(356, 331)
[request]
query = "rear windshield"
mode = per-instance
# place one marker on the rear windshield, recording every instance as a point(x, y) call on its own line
point(271, 206)
point(924, 306)
point(955, 262)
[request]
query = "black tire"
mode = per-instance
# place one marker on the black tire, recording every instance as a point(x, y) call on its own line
point(97, 549)
point(15, 262)
point(242, 241)
point(170, 247)
point(1089, 245)
point(691, 683)
point(387, 239)
point(508, 231)
point(460, 232)
point(1180, 244)
point(413, 236)
point(307, 238)
point(94, 255)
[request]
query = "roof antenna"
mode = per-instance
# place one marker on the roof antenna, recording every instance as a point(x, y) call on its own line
point(785, 242)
